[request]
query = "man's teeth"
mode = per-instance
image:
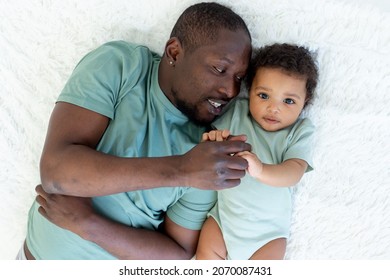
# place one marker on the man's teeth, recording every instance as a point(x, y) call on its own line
point(215, 104)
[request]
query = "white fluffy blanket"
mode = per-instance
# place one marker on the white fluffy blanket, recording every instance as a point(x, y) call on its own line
point(341, 210)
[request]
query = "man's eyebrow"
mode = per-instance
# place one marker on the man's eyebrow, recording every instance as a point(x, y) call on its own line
point(227, 60)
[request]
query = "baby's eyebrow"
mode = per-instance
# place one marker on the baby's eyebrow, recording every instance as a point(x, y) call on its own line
point(297, 96)
point(263, 88)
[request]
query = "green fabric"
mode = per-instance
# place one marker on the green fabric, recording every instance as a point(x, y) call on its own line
point(120, 80)
point(253, 214)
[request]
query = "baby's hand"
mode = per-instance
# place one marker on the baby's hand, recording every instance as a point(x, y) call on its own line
point(255, 166)
point(216, 135)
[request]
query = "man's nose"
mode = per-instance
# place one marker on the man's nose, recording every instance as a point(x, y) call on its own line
point(230, 88)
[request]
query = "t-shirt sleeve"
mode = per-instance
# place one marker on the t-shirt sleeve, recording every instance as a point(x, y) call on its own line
point(191, 209)
point(300, 143)
point(96, 82)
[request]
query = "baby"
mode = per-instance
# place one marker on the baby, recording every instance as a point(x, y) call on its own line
point(252, 221)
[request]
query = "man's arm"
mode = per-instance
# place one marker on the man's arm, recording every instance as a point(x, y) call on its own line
point(128, 243)
point(70, 164)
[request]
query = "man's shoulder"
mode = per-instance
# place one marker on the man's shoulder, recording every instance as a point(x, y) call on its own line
point(124, 47)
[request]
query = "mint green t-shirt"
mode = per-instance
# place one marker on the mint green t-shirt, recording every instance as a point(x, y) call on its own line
point(252, 214)
point(120, 80)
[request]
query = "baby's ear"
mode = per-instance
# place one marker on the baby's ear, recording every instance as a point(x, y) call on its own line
point(307, 101)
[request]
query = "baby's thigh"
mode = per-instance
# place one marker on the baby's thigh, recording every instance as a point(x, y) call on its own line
point(211, 245)
point(273, 250)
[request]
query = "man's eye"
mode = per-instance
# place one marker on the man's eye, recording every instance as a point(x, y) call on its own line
point(263, 95)
point(289, 101)
point(219, 70)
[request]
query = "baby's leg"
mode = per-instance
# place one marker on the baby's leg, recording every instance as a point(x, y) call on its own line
point(211, 245)
point(273, 250)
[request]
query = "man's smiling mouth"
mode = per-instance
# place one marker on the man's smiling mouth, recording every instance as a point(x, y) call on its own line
point(215, 103)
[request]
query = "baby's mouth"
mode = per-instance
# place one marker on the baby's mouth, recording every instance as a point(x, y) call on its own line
point(271, 120)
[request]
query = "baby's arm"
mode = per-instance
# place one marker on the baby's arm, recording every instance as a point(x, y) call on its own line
point(285, 174)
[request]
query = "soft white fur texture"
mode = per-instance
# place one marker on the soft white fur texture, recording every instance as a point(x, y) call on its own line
point(341, 210)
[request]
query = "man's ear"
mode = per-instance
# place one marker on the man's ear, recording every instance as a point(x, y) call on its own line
point(172, 49)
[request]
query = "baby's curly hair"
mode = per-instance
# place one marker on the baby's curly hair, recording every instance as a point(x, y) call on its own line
point(293, 59)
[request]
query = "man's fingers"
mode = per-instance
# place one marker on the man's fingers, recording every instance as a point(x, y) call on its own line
point(40, 200)
point(237, 164)
point(42, 211)
point(231, 183)
point(243, 154)
point(233, 147)
point(241, 137)
point(40, 191)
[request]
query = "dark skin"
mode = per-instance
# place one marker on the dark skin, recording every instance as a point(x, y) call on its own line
point(214, 71)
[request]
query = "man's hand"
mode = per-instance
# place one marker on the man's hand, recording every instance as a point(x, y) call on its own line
point(68, 212)
point(210, 166)
point(125, 242)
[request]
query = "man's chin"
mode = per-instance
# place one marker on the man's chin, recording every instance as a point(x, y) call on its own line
point(204, 120)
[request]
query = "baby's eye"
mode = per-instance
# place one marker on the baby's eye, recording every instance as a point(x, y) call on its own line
point(263, 95)
point(289, 101)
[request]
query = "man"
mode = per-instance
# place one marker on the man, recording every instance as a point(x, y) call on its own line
point(125, 131)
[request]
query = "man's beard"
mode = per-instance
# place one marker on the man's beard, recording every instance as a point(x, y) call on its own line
point(191, 112)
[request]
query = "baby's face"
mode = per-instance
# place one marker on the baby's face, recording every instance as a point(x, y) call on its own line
point(276, 98)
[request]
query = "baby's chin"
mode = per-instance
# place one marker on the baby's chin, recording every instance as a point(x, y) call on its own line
point(273, 128)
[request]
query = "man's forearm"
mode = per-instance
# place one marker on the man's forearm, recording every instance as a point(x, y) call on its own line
point(82, 171)
point(131, 243)
point(79, 170)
